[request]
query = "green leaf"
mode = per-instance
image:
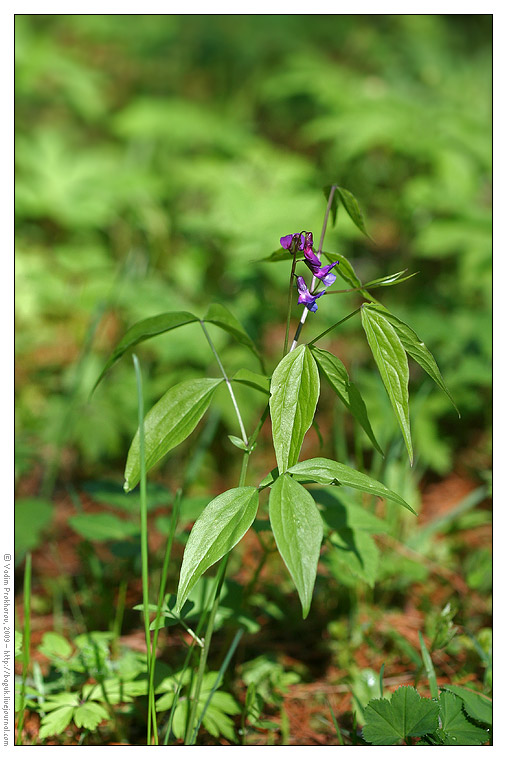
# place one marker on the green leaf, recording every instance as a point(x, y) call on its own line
point(344, 269)
point(54, 645)
point(330, 473)
point(220, 316)
point(392, 364)
point(222, 524)
point(334, 203)
point(252, 379)
point(456, 729)
point(340, 511)
point(145, 329)
point(297, 528)
point(337, 376)
point(356, 552)
point(238, 442)
point(295, 388)
point(281, 254)
point(407, 714)
point(169, 422)
point(390, 279)
point(56, 721)
point(416, 348)
point(32, 517)
point(351, 206)
point(428, 666)
point(102, 526)
point(90, 715)
point(476, 705)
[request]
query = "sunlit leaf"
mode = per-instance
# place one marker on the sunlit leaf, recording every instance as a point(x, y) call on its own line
point(169, 422)
point(407, 714)
point(297, 528)
point(295, 388)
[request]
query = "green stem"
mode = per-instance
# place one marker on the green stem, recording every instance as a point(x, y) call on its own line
point(227, 382)
point(321, 335)
point(144, 531)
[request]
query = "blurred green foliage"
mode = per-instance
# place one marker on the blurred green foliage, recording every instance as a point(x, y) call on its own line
point(159, 158)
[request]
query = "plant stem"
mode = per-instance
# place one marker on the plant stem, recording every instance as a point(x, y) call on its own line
point(228, 383)
point(144, 533)
point(321, 335)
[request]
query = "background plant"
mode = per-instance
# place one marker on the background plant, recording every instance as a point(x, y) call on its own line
point(207, 140)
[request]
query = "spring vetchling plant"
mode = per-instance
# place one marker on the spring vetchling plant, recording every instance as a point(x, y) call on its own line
point(292, 392)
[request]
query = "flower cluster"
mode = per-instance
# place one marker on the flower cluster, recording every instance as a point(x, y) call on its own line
point(303, 241)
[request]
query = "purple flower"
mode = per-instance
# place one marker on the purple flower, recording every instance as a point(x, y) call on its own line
point(315, 265)
point(307, 298)
point(293, 242)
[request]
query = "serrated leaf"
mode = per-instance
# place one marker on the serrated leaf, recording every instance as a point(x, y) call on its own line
point(90, 715)
point(407, 714)
point(222, 524)
point(329, 472)
point(476, 705)
point(55, 645)
point(297, 528)
point(392, 364)
point(456, 729)
point(56, 721)
point(295, 388)
point(415, 348)
point(145, 329)
point(337, 376)
point(351, 206)
point(169, 422)
point(220, 316)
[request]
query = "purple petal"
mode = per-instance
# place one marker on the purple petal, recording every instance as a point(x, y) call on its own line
point(286, 241)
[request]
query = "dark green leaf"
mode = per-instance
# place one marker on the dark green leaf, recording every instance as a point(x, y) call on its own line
point(337, 377)
point(407, 714)
point(220, 316)
point(222, 524)
point(169, 422)
point(352, 208)
point(392, 364)
point(297, 528)
point(328, 472)
point(415, 347)
point(456, 729)
point(477, 706)
point(295, 388)
point(147, 328)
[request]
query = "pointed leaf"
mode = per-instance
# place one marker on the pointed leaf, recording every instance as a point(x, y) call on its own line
point(145, 329)
point(392, 364)
point(407, 714)
point(415, 347)
point(344, 269)
point(90, 715)
point(352, 208)
point(218, 315)
point(334, 203)
point(456, 729)
point(337, 377)
point(221, 525)
point(56, 721)
point(169, 422)
point(281, 254)
point(354, 551)
point(390, 279)
point(328, 472)
point(297, 528)
point(295, 388)
point(252, 379)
